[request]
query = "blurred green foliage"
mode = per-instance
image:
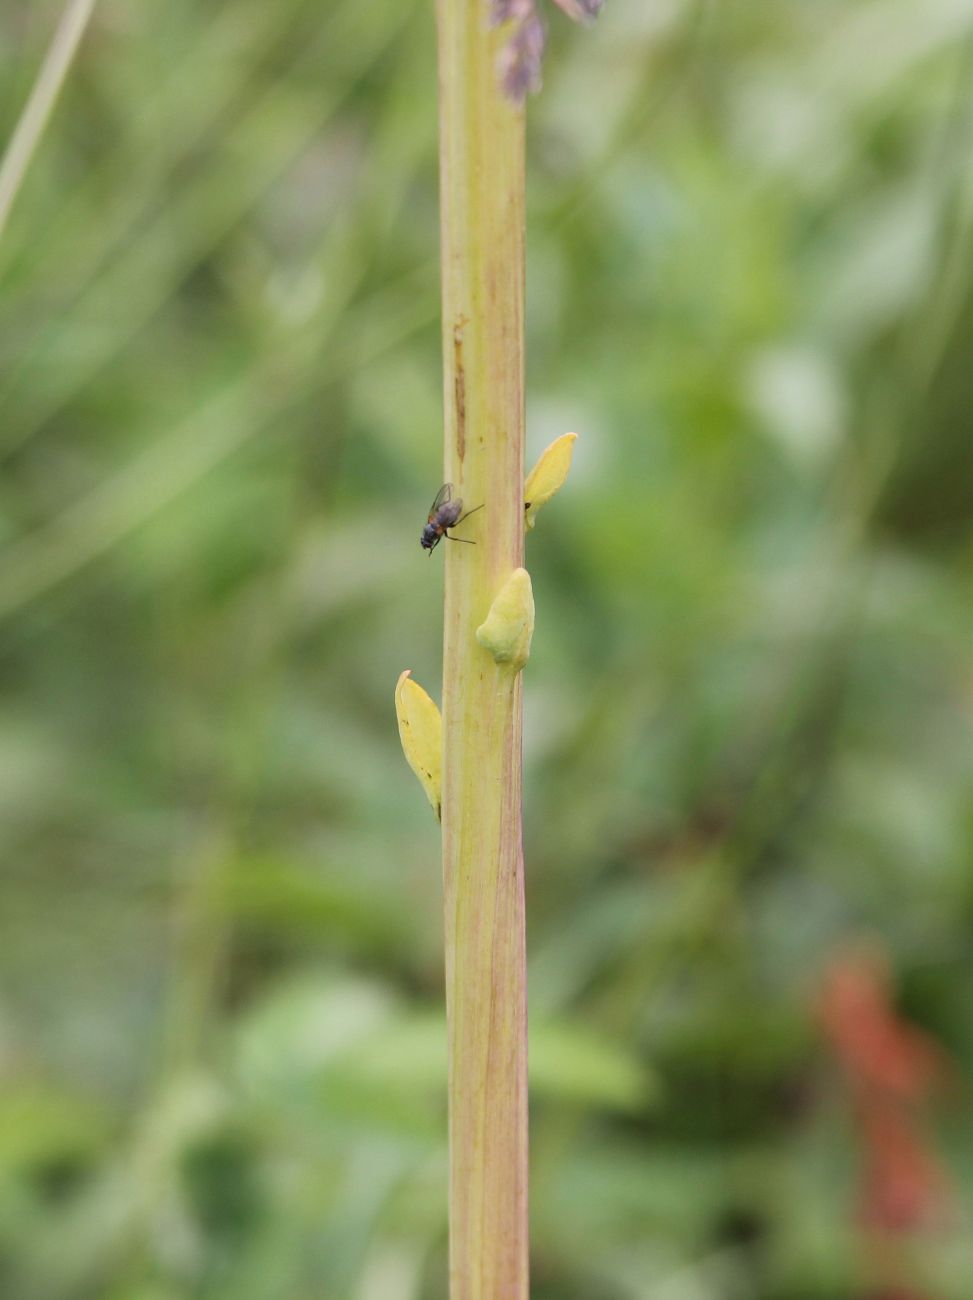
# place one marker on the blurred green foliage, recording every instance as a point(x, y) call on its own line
point(750, 700)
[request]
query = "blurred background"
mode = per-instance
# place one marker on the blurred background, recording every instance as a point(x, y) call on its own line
point(749, 768)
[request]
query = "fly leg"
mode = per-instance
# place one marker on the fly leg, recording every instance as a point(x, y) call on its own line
point(466, 516)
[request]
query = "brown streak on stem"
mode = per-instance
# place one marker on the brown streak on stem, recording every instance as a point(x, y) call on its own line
point(459, 386)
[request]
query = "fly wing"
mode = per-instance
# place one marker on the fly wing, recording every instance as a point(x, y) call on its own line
point(444, 494)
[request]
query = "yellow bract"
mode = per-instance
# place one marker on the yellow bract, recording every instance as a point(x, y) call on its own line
point(548, 475)
point(421, 733)
point(509, 626)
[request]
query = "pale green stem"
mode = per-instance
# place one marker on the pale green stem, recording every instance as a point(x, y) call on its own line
point(47, 86)
point(482, 202)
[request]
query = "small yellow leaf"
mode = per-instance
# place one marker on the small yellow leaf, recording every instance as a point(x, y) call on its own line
point(548, 475)
point(421, 733)
point(509, 626)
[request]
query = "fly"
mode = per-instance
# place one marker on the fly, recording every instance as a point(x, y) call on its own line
point(445, 513)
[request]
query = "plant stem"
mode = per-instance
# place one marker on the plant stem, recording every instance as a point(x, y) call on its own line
point(482, 210)
point(30, 127)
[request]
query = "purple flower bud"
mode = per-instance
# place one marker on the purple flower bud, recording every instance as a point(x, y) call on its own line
point(520, 59)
